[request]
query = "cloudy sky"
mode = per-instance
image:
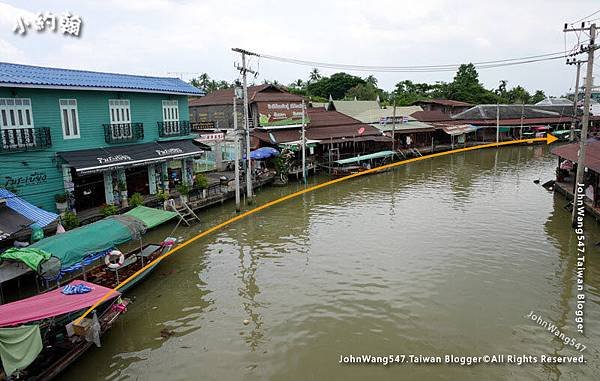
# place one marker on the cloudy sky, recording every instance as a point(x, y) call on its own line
point(158, 37)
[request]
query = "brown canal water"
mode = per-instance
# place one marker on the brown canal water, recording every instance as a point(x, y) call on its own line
point(443, 256)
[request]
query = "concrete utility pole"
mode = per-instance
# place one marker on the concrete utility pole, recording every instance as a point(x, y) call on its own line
point(497, 123)
point(244, 70)
point(590, 49)
point(394, 127)
point(574, 121)
point(237, 155)
point(303, 143)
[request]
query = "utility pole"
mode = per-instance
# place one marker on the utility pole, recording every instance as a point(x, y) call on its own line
point(497, 123)
point(576, 99)
point(522, 116)
point(244, 70)
point(590, 49)
point(237, 155)
point(394, 127)
point(303, 143)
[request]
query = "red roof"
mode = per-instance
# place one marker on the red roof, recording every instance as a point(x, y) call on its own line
point(444, 102)
point(323, 125)
point(259, 93)
point(571, 152)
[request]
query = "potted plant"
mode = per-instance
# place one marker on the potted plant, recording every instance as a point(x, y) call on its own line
point(61, 201)
point(108, 210)
point(184, 191)
point(123, 192)
point(201, 182)
point(136, 199)
point(69, 221)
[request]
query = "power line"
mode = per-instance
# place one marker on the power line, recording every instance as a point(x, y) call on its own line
point(422, 68)
point(583, 18)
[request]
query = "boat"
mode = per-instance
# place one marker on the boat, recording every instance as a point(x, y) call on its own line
point(82, 253)
point(39, 337)
point(361, 163)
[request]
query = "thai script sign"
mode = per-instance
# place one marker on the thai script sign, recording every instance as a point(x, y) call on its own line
point(212, 137)
point(170, 151)
point(113, 159)
point(33, 178)
point(390, 119)
point(280, 113)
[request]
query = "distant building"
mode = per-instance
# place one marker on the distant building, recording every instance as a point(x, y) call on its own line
point(269, 105)
point(407, 130)
point(446, 106)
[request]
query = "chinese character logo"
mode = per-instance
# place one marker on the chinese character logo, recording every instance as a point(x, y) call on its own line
point(68, 24)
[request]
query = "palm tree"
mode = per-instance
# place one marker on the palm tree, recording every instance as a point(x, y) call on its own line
point(371, 80)
point(314, 75)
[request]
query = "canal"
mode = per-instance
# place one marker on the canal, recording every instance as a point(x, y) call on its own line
point(442, 256)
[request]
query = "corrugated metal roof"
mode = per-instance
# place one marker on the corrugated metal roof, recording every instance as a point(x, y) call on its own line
point(571, 152)
point(16, 75)
point(39, 216)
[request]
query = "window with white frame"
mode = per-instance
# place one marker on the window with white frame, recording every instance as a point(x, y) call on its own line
point(170, 110)
point(120, 118)
point(16, 122)
point(69, 118)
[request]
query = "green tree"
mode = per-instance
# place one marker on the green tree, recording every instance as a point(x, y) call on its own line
point(363, 92)
point(314, 75)
point(538, 96)
point(371, 80)
point(201, 81)
point(337, 85)
point(518, 95)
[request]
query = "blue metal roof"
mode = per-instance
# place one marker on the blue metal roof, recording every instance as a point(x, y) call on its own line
point(41, 217)
point(16, 75)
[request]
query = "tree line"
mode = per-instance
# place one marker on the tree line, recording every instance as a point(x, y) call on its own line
point(465, 87)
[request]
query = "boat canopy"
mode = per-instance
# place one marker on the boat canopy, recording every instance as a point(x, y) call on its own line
point(356, 159)
point(151, 217)
point(51, 304)
point(74, 245)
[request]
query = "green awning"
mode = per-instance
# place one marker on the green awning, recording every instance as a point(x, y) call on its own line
point(31, 256)
point(356, 159)
point(19, 347)
point(151, 217)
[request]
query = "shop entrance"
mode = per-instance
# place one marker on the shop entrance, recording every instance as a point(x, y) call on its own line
point(89, 190)
point(137, 180)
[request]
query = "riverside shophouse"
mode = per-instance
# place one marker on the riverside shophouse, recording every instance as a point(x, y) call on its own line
point(99, 136)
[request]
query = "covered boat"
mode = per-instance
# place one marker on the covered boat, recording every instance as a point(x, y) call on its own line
point(360, 163)
point(37, 338)
point(76, 253)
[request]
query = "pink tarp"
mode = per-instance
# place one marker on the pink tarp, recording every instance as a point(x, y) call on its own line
point(49, 304)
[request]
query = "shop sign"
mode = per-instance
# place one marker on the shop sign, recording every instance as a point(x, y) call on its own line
point(34, 178)
point(114, 159)
point(212, 137)
point(199, 126)
point(390, 119)
point(169, 152)
point(280, 113)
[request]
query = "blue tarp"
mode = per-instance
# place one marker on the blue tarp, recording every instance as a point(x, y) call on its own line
point(41, 217)
point(263, 153)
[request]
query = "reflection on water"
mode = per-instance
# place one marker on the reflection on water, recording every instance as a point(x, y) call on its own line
point(443, 256)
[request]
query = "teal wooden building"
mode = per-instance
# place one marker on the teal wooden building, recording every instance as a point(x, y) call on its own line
point(98, 136)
